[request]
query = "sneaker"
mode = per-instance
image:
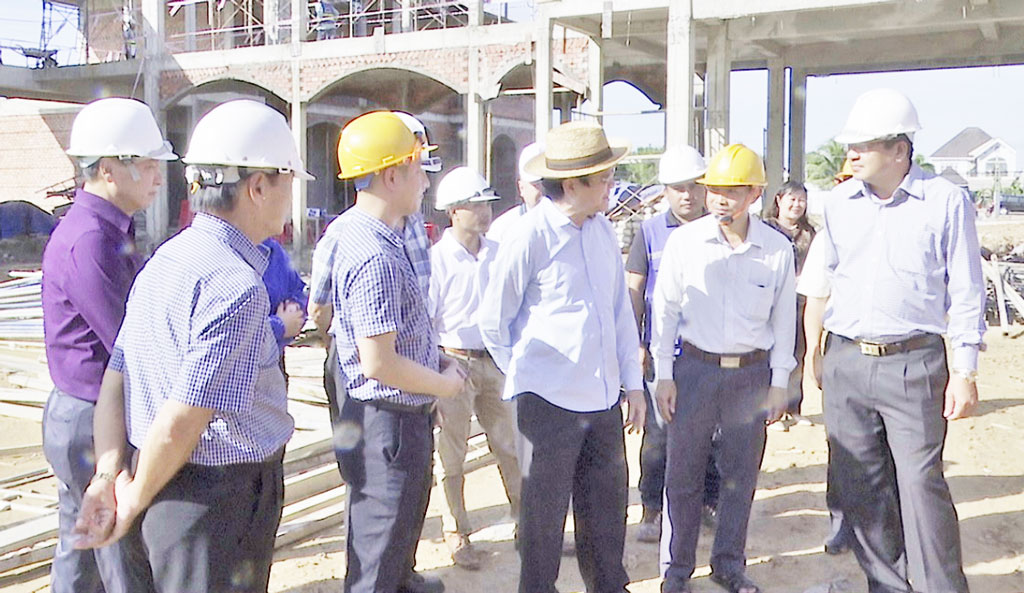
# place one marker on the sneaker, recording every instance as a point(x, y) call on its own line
point(418, 583)
point(837, 545)
point(463, 553)
point(649, 530)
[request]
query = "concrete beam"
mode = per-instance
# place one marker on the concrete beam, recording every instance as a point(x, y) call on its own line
point(717, 91)
point(476, 133)
point(299, 190)
point(797, 122)
point(729, 9)
point(989, 31)
point(595, 86)
point(153, 54)
point(776, 126)
point(542, 78)
point(679, 63)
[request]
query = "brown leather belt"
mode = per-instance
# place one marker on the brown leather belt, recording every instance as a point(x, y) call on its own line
point(465, 354)
point(869, 348)
point(725, 361)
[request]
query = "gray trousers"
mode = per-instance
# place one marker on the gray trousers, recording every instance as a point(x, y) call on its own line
point(211, 529)
point(68, 446)
point(886, 432)
point(707, 397)
point(581, 454)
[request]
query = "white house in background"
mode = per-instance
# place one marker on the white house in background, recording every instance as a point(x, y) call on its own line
point(977, 157)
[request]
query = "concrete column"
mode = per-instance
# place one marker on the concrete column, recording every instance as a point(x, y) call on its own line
point(773, 158)
point(679, 128)
point(300, 22)
point(271, 24)
point(153, 50)
point(298, 122)
point(476, 12)
point(476, 136)
point(408, 15)
point(797, 122)
point(542, 77)
point(595, 83)
point(190, 27)
point(717, 90)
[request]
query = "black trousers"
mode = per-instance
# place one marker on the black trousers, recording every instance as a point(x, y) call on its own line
point(212, 528)
point(886, 433)
point(731, 400)
point(581, 454)
point(388, 472)
point(68, 446)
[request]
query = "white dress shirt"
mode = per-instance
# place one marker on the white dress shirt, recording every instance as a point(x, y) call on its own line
point(815, 280)
point(501, 225)
point(725, 300)
point(456, 281)
point(901, 266)
point(556, 315)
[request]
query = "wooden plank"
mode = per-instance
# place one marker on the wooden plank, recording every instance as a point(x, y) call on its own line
point(308, 506)
point(27, 477)
point(28, 533)
point(21, 450)
point(21, 412)
point(312, 482)
point(314, 523)
point(28, 556)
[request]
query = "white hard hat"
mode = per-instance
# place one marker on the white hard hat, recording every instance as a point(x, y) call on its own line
point(430, 164)
point(526, 156)
point(245, 133)
point(879, 113)
point(118, 127)
point(462, 184)
point(680, 164)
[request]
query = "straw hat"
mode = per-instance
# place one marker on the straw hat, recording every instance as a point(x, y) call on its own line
point(576, 149)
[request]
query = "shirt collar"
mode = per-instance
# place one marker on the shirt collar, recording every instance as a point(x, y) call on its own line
point(378, 227)
point(554, 215)
point(451, 246)
point(710, 233)
point(256, 256)
point(671, 221)
point(104, 210)
point(912, 186)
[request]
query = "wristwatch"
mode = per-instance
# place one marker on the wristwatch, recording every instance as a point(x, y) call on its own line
point(967, 375)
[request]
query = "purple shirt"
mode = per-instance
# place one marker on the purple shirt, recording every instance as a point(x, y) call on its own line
point(88, 266)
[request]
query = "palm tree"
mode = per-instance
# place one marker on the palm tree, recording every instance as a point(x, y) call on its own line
point(824, 163)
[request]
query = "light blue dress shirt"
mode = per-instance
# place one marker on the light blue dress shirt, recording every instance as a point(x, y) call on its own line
point(556, 315)
point(196, 331)
point(900, 266)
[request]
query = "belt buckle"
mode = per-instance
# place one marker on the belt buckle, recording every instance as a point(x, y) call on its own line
point(870, 349)
point(729, 362)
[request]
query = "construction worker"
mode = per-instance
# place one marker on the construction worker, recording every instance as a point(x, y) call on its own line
point(529, 191)
point(788, 214)
point(195, 373)
point(556, 318)
point(459, 264)
point(678, 171)
point(388, 355)
point(89, 264)
point(725, 292)
point(902, 250)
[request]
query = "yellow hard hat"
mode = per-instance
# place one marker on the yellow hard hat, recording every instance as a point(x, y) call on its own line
point(734, 165)
point(375, 141)
point(845, 173)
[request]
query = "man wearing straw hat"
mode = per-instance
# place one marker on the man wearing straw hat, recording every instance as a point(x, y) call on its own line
point(556, 317)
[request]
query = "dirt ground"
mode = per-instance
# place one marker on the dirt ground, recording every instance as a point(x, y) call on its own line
point(984, 462)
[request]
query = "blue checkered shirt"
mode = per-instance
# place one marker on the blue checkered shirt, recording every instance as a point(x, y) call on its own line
point(378, 284)
point(196, 331)
point(417, 248)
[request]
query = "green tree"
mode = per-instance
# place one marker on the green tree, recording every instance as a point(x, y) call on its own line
point(824, 163)
point(923, 163)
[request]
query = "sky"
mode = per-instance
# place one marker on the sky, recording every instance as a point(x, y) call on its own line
point(947, 100)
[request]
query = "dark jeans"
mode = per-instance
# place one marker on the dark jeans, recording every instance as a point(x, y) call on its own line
point(577, 454)
point(731, 399)
point(388, 474)
point(68, 446)
point(886, 433)
point(652, 463)
point(212, 528)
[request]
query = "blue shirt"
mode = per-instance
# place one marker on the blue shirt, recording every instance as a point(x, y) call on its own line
point(556, 315)
point(900, 266)
point(377, 290)
point(283, 284)
point(88, 266)
point(196, 331)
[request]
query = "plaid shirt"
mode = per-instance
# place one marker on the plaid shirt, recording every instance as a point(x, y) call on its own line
point(378, 283)
point(196, 331)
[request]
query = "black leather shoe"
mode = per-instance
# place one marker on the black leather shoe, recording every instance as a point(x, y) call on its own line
point(836, 545)
point(418, 583)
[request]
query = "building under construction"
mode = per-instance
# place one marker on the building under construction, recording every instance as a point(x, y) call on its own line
point(487, 77)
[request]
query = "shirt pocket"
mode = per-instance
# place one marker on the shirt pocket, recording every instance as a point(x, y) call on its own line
point(757, 291)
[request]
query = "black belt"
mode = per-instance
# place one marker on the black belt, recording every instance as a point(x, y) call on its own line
point(725, 361)
point(464, 353)
point(391, 406)
point(869, 348)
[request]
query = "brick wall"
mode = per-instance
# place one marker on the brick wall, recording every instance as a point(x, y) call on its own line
point(32, 155)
